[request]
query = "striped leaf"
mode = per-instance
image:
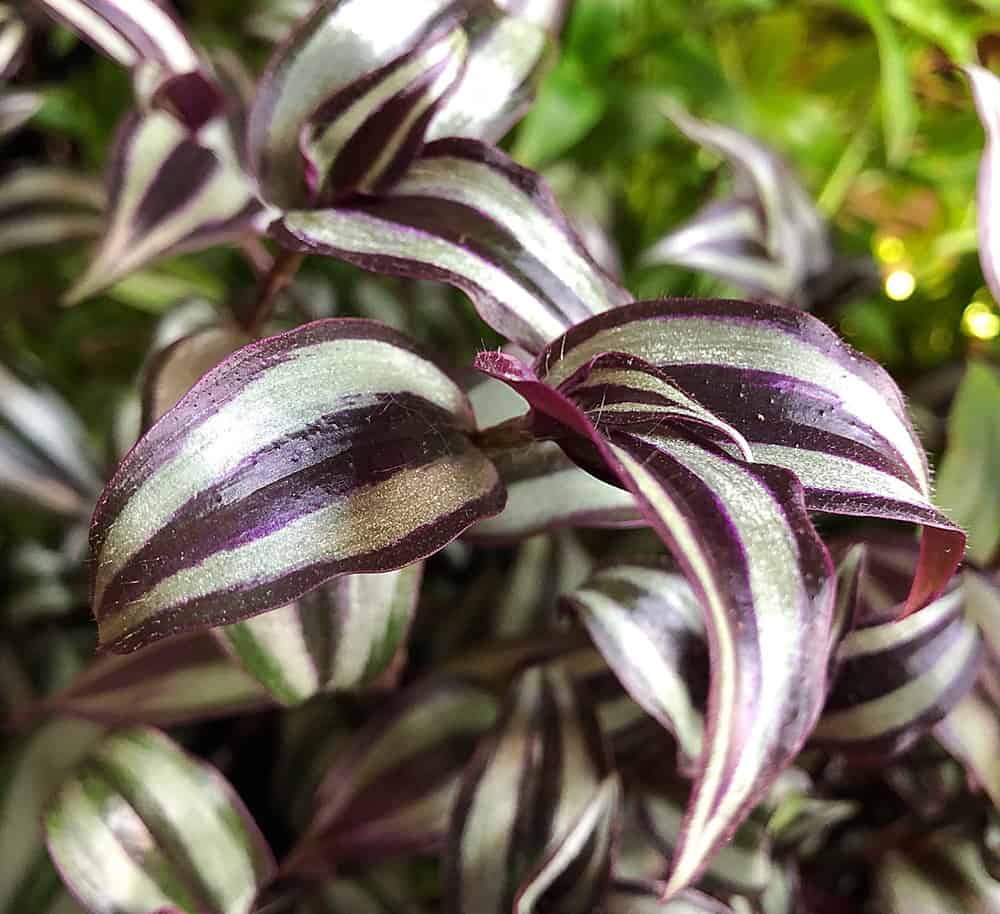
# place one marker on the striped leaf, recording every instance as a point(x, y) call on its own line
point(896, 679)
point(334, 448)
point(45, 458)
point(986, 92)
point(342, 635)
point(129, 829)
point(545, 489)
point(42, 205)
point(389, 789)
point(646, 621)
point(145, 37)
point(802, 398)
point(466, 214)
point(742, 866)
point(647, 898)
point(550, 14)
point(768, 237)
point(742, 536)
point(573, 878)
point(369, 74)
point(169, 191)
point(172, 681)
point(31, 770)
point(530, 783)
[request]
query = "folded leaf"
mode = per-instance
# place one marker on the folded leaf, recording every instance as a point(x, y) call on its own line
point(897, 679)
point(527, 788)
point(45, 205)
point(172, 681)
point(768, 237)
point(128, 832)
point(802, 398)
point(742, 536)
point(986, 91)
point(388, 114)
point(342, 635)
point(573, 878)
point(390, 787)
point(31, 770)
point(169, 191)
point(466, 214)
point(507, 58)
point(145, 37)
point(45, 458)
point(646, 621)
point(334, 448)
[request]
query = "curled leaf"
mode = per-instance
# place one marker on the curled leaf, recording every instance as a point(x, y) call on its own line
point(272, 475)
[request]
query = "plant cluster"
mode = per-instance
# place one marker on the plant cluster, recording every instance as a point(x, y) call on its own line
point(622, 615)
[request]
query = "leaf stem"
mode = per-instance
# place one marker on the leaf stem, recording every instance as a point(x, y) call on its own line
point(283, 269)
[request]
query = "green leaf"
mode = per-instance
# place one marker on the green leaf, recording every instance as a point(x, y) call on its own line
point(967, 481)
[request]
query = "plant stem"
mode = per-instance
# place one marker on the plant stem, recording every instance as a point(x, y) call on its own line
point(286, 264)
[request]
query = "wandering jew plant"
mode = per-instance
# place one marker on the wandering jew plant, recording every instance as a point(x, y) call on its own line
point(580, 630)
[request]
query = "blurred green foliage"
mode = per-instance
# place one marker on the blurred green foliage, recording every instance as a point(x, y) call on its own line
point(857, 94)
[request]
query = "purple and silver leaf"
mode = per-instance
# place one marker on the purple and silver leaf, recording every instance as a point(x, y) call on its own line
point(336, 448)
point(389, 788)
point(647, 898)
point(145, 37)
point(466, 214)
point(343, 635)
point(896, 679)
point(386, 111)
point(802, 399)
point(549, 14)
point(523, 793)
point(768, 237)
point(646, 621)
point(45, 458)
point(170, 191)
point(573, 878)
point(173, 681)
point(507, 58)
point(742, 536)
point(128, 832)
point(986, 92)
point(46, 205)
point(31, 769)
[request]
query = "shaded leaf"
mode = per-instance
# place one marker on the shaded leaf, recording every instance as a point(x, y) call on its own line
point(647, 898)
point(42, 205)
point(128, 831)
point(343, 635)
